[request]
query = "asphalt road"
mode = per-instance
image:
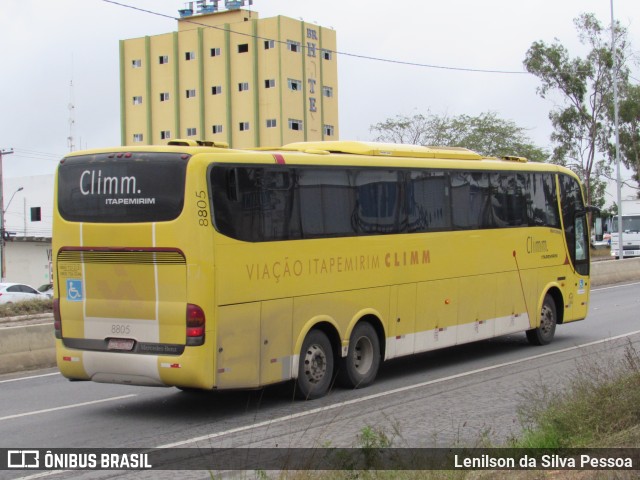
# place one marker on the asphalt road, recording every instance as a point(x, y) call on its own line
point(457, 396)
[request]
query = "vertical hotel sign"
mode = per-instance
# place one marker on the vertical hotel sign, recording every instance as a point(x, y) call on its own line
point(312, 126)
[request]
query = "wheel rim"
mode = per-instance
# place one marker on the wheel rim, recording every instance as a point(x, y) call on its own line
point(546, 320)
point(363, 355)
point(315, 364)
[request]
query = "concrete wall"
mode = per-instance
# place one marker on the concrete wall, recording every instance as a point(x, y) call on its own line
point(28, 261)
point(32, 346)
point(27, 347)
point(615, 271)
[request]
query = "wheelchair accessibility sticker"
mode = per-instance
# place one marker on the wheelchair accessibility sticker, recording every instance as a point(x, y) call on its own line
point(74, 290)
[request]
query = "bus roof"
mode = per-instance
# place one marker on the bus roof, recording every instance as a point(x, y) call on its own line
point(384, 149)
point(337, 152)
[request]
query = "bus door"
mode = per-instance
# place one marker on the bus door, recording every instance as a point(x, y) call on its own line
point(574, 217)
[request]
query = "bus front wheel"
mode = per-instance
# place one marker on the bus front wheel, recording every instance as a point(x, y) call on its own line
point(360, 367)
point(315, 369)
point(548, 320)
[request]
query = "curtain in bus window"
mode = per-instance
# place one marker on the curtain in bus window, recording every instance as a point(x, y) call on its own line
point(327, 202)
point(508, 202)
point(280, 215)
point(427, 201)
point(471, 199)
point(378, 202)
point(542, 204)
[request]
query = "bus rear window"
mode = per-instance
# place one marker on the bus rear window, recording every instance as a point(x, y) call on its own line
point(145, 187)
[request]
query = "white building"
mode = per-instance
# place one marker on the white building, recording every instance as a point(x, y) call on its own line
point(28, 215)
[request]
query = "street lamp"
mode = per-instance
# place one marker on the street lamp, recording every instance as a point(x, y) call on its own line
point(14, 194)
point(4, 233)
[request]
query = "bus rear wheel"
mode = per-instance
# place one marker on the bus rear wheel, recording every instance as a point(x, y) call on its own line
point(360, 367)
point(315, 368)
point(548, 321)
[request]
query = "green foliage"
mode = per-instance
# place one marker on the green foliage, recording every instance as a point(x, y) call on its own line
point(629, 118)
point(31, 307)
point(486, 134)
point(582, 122)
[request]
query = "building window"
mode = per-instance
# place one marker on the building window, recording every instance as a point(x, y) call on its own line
point(243, 48)
point(138, 137)
point(163, 59)
point(164, 97)
point(165, 134)
point(36, 214)
point(328, 130)
point(268, 44)
point(270, 83)
point(137, 100)
point(244, 126)
point(189, 55)
point(215, 52)
point(216, 90)
point(295, 124)
point(327, 54)
point(136, 63)
point(192, 132)
point(295, 85)
point(190, 93)
point(216, 128)
point(327, 91)
point(243, 86)
point(271, 123)
point(293, 46)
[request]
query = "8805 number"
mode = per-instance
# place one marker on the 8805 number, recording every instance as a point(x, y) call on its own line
point(201, 206)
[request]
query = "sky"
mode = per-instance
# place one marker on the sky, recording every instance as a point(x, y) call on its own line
point(48, 45)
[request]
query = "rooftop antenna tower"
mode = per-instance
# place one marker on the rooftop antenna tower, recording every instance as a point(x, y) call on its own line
point(72, 119)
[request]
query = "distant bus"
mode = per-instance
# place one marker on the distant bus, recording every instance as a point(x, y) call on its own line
point(203, 267)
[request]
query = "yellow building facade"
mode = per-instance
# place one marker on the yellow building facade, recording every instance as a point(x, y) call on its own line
point(230, 76)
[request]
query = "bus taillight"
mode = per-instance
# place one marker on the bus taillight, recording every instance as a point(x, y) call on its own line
point(195, 325)
point(57, 320)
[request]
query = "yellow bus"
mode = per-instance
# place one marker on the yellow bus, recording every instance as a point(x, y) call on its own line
point(202, 267)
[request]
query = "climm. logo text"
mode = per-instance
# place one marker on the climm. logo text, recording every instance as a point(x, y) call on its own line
point(93, 183)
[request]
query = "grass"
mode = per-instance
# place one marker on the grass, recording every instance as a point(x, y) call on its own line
point(31, 307)
point(600, 408)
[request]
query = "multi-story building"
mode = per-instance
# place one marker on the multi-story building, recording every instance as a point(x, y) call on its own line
point(229, 76)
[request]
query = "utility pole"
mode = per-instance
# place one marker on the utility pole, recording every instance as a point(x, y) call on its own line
point(2, 259)
point(614, 71)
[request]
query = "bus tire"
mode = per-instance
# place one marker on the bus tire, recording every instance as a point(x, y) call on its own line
point(548, 320)
point(315, 368)
point(360, 367)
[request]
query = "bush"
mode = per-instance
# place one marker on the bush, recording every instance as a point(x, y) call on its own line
point(31, 307)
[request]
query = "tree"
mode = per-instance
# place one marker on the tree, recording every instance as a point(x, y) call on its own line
point(629, 122)
point(486, 134)
point(582, 124)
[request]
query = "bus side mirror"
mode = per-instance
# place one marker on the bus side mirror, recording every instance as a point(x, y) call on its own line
point(597, 229)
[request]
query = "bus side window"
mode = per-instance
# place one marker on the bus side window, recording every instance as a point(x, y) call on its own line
point(471, 200)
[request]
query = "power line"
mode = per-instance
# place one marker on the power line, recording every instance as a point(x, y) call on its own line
point(34, 155)
point(337, 52)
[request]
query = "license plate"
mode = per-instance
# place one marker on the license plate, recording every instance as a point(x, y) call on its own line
point(125, 344)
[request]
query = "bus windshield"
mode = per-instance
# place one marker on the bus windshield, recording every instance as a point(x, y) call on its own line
point(629, 223)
